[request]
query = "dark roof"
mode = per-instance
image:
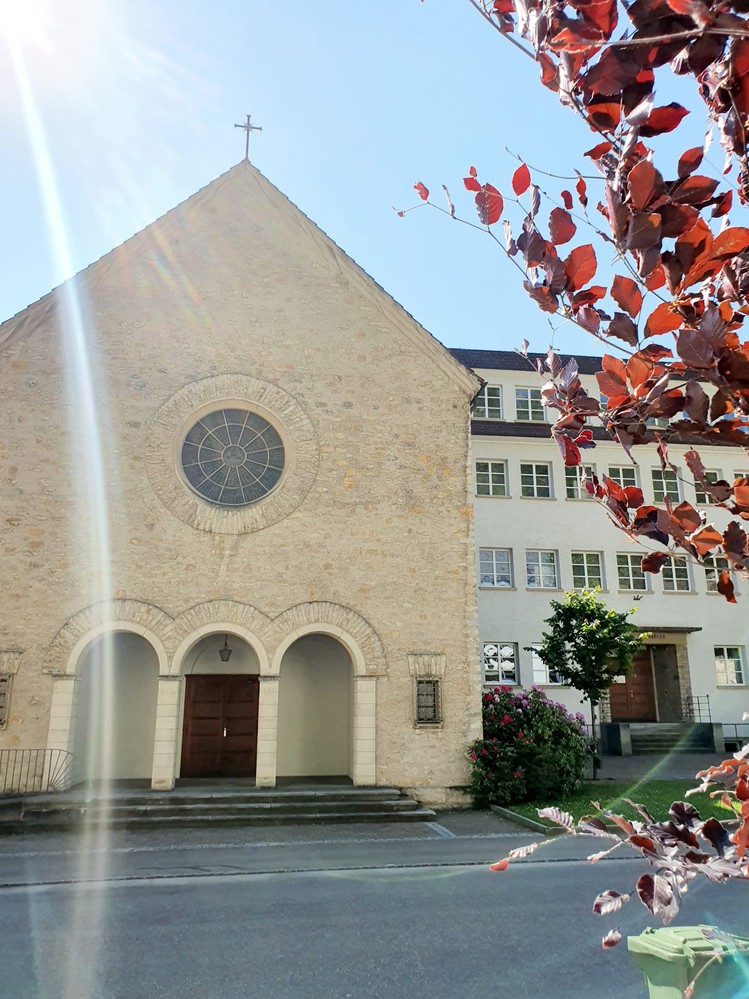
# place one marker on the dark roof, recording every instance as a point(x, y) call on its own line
point(511, 360)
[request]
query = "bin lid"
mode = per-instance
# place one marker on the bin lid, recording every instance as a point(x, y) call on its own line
point(690, 942)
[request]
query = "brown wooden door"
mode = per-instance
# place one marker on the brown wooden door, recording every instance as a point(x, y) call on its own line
point(634, 700)
point(219, 737)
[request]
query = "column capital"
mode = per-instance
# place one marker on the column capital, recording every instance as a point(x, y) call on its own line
point(267, 677)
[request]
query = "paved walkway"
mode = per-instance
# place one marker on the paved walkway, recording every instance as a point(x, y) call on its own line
point(654, 766)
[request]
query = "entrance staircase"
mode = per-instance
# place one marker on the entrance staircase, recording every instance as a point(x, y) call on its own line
point(212, 805)
point(663, 737)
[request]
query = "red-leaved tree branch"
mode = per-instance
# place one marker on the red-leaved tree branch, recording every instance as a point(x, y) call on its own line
point(675, 309)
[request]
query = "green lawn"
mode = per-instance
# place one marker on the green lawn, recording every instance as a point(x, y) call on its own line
point(656, 795)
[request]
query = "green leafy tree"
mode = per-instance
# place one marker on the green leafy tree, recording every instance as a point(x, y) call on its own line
point(587, 645)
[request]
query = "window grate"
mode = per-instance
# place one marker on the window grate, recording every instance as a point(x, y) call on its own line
point(428, 708)
point(4, 699)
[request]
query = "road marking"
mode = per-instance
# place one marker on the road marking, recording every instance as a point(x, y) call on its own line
point(441, 831)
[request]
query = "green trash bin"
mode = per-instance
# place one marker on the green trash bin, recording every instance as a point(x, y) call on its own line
point(672, 957)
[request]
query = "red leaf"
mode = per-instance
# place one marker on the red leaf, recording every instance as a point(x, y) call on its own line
point(598, 151)
point(635, 498)
point(581, 187)
point(645, 185)
point(627, 294)
point(521, 179)
point(561, 226)
point(501, 865)
point(639, 369)
point(423, 191)
point(723, 207)
point(489, 205)
point(623, 328)
point(730, 241)
point(471, 183)
point(654, 562)
point(725, 586)
point(662, 319)
point(611, 939)
point(567, 200)
point(580, 266)
point(472, 171)
point(696, 190)
point(664, 119)
point(706, 539)
point(690, 160)
point(570, 450)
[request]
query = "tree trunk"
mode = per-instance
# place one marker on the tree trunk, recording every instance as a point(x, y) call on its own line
point(595, 739)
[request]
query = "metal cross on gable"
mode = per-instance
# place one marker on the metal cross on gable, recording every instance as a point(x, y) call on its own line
point(248, 127)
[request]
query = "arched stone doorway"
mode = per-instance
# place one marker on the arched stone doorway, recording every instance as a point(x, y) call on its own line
point(220, 708)
point(115, 714)
point(315, 716)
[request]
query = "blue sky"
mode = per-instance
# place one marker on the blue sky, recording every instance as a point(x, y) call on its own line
point(137, 103)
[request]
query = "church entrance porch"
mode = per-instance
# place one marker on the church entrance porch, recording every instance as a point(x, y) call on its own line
point(220, 726)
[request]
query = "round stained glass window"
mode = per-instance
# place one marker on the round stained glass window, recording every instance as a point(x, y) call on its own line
point(232, 457)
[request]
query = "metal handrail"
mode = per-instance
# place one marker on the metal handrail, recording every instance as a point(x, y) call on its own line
point(697, 709)
point(26, 771)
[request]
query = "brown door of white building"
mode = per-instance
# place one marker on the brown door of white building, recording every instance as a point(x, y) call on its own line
point(634, 700)
point(219, 737)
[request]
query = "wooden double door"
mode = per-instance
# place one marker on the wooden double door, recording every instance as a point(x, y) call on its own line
point(634, 700)
point(219, 737)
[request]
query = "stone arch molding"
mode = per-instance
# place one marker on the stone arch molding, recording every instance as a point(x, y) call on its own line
point(172, 637)
point(113, 615)
point(322, 617)
point(268, 400)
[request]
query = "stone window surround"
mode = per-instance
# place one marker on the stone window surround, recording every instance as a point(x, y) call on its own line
point(185, 407)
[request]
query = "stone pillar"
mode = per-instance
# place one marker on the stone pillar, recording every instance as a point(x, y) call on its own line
point(166, 738)
point(62, 715)
point(267, 731)
point(365, 700)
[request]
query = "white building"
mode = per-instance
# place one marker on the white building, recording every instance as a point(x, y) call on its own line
point(538, 534)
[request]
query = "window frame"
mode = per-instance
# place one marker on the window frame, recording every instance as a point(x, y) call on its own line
point(494, 585)
point(645, 588)
point(6, 684)
point(539, 672)
point(698, 493)
point(663, 473)
point(490, 462)
point(534, 397)
point(725, 682)
point(624, 468)
point(708, 564)
point(683, 562)
point(577, 472)
point(503, 681)
point(587, 585)
point(535, 466)
point(540, 574)
point(435, 683)
point(483, 395)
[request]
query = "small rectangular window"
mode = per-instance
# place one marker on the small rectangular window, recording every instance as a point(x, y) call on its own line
point(529, 406)
point(488, 403)
point(541, 570)
point(665, 484)
point(541, 674)
point(587, 570)
point(495, 567)
point(4, 699)
point(700, 495)
point(729, 667)
point(624, 475)
point(500, 662)
point(714, 566)
point(629, 570)
point(491, 478)
point(676, 575)
point(535, 480)
point(427, 701)
point(574, 481)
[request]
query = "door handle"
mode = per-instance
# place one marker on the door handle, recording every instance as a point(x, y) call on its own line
point(224, 731)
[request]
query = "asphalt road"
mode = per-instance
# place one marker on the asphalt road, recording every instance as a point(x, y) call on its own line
point(367, 932)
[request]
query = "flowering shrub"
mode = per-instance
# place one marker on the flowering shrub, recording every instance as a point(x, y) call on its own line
point(532, 748)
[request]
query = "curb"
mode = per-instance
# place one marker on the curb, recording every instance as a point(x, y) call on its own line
point(523, 820)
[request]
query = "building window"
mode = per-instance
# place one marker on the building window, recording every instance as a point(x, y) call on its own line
point(700, 495)
point(665, 484)
point(676, 575)
point(500, 662)
point(629, 570)
point(491, 478)
point(729, 669)
point(657, 422)
point(488, 403)
point(541, 570)
point(535, 480)
point(232, 457)
point(4, 699)
point(624, 475)
point(541, 675)
point(587, 571)
point(428, 707)
point(495, 567)
point(714, 566)
point(528, 405)
point(573, 480)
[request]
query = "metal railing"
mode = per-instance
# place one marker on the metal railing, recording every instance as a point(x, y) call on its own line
point(735, 735)
point(24, 771)
point(697, 709)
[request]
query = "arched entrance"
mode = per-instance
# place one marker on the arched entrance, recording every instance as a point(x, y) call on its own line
point(315, 709)
point(116, 707)
point(220, 717)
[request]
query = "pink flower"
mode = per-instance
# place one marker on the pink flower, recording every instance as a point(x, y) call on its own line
point(506, 719)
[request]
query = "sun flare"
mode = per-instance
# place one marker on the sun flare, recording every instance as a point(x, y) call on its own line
point(23, 19)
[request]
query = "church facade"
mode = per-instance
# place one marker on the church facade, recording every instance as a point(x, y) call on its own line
point(238, 534)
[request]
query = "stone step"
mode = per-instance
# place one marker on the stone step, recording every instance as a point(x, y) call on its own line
point(249, 797)
point(156, 810)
